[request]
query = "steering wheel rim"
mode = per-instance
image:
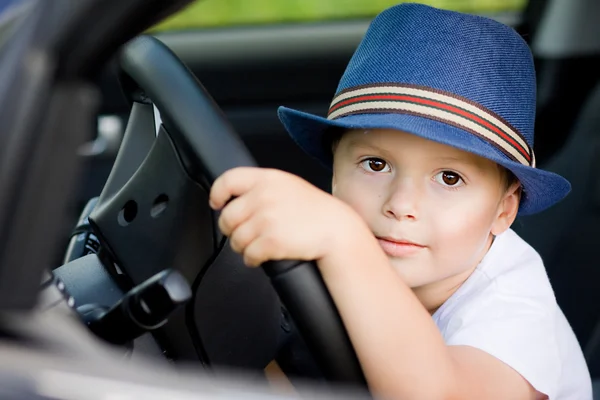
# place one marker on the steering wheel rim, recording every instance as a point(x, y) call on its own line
point(161, 76)
point(144, 60)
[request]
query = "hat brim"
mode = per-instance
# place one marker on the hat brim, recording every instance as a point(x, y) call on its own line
point(541, 189)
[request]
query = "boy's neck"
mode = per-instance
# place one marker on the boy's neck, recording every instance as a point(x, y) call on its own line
point(433, 295)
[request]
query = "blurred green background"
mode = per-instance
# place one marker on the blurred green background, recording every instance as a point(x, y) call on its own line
point(213, 13)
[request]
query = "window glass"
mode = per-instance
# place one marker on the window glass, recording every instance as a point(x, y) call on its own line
point(225, 13)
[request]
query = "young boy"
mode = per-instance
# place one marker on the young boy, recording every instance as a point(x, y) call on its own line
point(430, 137)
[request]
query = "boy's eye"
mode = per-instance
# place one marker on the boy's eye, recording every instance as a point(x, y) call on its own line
point(375, 165)
point(449, 178)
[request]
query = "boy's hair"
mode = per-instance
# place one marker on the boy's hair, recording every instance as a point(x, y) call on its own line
point(508, 177)
point(334, 135)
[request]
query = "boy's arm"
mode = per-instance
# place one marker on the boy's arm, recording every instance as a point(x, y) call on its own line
point(399, 346)
point(277, 216)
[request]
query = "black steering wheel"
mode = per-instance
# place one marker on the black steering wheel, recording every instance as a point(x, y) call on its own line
point(207, 146)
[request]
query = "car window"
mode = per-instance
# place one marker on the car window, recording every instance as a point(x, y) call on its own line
point(230, 13)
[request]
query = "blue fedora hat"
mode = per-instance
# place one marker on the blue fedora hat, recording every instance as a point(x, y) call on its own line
point(457, 79)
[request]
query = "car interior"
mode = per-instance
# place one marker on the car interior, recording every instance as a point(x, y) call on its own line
point(250, 71)
point(173, 104)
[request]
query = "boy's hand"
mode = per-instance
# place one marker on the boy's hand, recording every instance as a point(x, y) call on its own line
point(275, 215)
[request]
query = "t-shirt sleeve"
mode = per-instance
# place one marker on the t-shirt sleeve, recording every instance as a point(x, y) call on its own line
point(518, 331)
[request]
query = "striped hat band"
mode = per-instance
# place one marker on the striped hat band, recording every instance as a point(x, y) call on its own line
point(436, 105)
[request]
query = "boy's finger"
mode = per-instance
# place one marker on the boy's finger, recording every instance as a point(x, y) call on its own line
point(232, 183)
point(256, 252)
point(234, 214)
point(243, 236)
point(264, 248)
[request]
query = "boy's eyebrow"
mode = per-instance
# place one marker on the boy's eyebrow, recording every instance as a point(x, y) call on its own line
point(354, 143)
point(357, 143)
point(461, 160)
point(455, 159)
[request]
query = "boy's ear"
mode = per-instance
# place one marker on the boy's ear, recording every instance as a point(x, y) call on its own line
point(507, 209)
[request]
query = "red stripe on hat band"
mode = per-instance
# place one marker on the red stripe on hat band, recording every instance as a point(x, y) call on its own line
point(439, 105)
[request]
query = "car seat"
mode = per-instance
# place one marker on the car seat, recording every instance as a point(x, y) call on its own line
point(566, 235)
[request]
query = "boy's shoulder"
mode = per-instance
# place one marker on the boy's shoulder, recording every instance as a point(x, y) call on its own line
point(513, 266)
point(512, 271)
point(507, 308)
point(511, 279)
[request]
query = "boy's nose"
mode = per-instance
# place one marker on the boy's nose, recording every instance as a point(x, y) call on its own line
point(402, 200)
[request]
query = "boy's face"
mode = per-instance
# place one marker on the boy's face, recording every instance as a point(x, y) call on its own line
point(433, 208)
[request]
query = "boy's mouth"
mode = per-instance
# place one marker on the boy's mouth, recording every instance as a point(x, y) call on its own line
point(399, 247)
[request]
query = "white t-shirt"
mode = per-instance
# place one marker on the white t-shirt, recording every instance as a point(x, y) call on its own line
point(507, 308)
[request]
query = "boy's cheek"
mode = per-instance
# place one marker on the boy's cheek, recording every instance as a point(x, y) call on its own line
point(360, 201)
point(358, 190)
point(458, 242)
